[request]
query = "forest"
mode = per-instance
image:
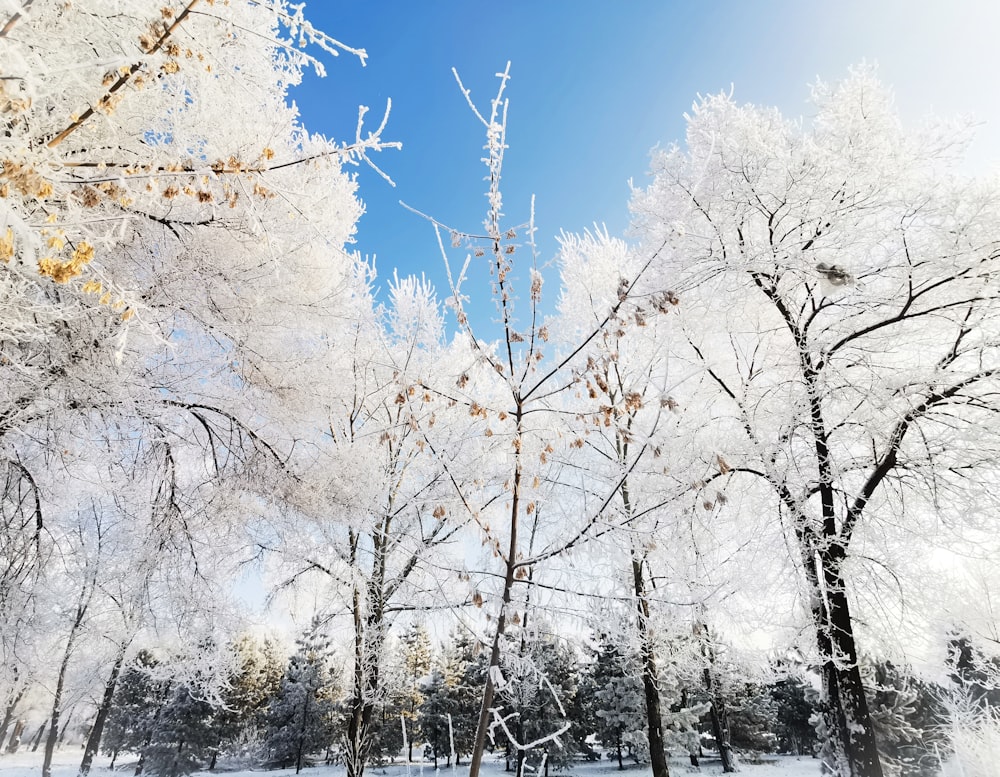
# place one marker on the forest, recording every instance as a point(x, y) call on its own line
point(718, 489)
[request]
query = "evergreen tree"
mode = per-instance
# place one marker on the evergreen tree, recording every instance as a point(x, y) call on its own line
point(387, 725)
point(795, 706)
point(541, 687)
point(617, 704)
point(184, 738)
point(908, 718)
point(753, 718)
point(680, 669)
point(300, 719)
point(252, 685)
point(622, 717)
point(432, 718)
point(138, 702)
point(465, 668)
point(975, 674)
point(416, 665)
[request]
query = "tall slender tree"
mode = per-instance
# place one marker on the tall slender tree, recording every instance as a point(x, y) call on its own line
point(300, 718)
point(839, 301)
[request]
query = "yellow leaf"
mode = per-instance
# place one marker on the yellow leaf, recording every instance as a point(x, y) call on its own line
point(7, 245)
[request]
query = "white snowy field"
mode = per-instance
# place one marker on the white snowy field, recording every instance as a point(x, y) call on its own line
point(67, 761)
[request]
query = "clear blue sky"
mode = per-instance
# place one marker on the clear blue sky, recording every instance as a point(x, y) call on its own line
point(595, 85)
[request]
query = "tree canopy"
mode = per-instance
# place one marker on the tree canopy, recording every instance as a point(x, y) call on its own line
point(752, 429)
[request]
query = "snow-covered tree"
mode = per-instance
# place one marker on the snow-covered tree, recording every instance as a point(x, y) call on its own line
point(794, 700)
point(139, 699)
point(512, 390)
point(251, 686)
point(432, 718)
point(417, 662)
point(909, 717)
point(618, 701)
point(838, 300)
point(539, 693)
point(183, 739)
point(372, 505)
point(465, 666)
point(300, 717)
point(162, 261)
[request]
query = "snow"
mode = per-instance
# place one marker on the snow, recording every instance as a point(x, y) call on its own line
point(66, 763)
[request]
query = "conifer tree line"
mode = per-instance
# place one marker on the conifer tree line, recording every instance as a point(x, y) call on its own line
point(276, 711)
point(763, 427)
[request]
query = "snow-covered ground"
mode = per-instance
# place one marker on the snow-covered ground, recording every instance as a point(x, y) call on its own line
point(66, 763)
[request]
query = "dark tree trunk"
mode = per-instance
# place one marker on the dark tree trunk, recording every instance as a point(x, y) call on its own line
point(519, 754)
point(367, 652)
point(842, 675)
point(37, 741)
point(83, 603)
point(850, 749)
point(718, 713)
point(302, 733)
point(650, 679)
point(50, 742)
point(65, 728)
point(15, 737)
point(720, 730)
point(8, 714)
point(358, 728)
point(483, 724)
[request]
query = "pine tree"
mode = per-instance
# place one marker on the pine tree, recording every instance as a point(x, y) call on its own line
point(541, 687)
point(465, 668)
point(252, 685)
point(138, 702)
point(300, 719)
point(753, 718)
point(622, 716)
point(184, 738)
point(432, 718)
point(795, 702)
point(618, 705)
point(907, 718)
point(976, 675)
point(416, 664)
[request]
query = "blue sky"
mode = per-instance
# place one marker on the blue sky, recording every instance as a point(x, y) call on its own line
point(595, 85)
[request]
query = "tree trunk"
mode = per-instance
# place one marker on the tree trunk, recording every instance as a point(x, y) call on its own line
point(650, 678)
point(50, 743)
point(849, 747)
point(302, 732)
point(368, 642)
point(37, 741)
point(720, 730)
point(842, 675)
point(483, 724)
point(718, 713)
point(65, 728)
point(15, 737)
point(8, 715)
